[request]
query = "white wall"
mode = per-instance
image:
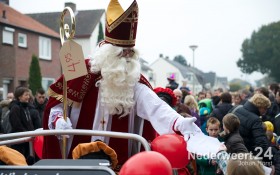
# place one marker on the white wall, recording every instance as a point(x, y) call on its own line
point(89, 44)
point(162, 69)
point(85, 43)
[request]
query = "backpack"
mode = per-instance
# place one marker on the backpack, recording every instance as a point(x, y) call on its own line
point(5, 123)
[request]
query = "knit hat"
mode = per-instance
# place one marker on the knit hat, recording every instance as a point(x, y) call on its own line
point(204, 111)
point(97, 148)
point(269, 126)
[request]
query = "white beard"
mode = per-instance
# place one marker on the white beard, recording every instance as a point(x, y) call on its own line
point(119, 76)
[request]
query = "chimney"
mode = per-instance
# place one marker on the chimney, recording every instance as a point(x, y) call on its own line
point(4, 14)
point(71, 5)
point(5, 2)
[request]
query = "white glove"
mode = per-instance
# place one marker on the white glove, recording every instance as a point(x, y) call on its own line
point(187, 126)
point(61, 124)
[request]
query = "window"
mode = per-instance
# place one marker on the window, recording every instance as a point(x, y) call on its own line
point(44, 48)
point(46, 82)
point(8, 35)
point(22, 40)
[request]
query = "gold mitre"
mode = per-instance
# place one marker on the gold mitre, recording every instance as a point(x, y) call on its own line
point(121, 26)
point(114, 11)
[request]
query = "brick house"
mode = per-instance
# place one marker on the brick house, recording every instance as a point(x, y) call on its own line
point(87, 25)
point(20, 38)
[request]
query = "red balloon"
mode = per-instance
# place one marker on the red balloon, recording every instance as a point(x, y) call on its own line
point(38, 145)
point(148, 163)
point(174, 148)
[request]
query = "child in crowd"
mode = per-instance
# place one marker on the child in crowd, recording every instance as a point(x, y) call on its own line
point(233, 140)
point(204, 115)
point(269, 131)
point(241, 164)
point(213, 127)
point(208, 166)
point(245, 164)
point(273, 141)
point(236, 99)
point(191, 103)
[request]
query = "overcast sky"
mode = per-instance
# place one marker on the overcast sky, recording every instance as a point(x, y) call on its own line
point(217, 27)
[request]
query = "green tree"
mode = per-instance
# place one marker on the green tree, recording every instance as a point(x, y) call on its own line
point(180, 59)
point(35, 77)
point(234, 87)
point(101, 33)
point(238, 84)
point(261, 52)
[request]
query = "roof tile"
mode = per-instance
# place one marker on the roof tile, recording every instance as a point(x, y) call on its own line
point(17, 19)
point(86, 21)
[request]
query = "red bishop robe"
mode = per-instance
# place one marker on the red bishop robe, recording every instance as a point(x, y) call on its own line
point(79, 90)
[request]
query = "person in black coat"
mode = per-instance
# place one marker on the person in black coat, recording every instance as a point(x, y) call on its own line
point(233, 140)
point(40, 101)
point(172, 84)
point(251, 129)
point(21, 117)
point(223, 107)
point(245, 94)
point(35, 116)
point(273, 110)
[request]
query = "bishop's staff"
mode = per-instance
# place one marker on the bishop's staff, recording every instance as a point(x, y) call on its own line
point(72, 62)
